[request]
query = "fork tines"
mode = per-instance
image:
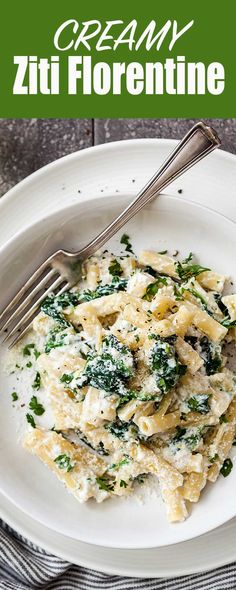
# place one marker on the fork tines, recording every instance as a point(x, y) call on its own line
point(16, 318)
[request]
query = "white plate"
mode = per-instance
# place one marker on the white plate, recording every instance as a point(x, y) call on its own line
point(27, 202)
point(167, 223)
point(109, 169)
point(199, 555)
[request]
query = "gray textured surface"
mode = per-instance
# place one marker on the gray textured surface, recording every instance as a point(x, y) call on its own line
point(115, 129)
point(28, 144)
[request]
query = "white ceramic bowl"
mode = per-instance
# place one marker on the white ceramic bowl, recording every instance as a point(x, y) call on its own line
point(168, 223)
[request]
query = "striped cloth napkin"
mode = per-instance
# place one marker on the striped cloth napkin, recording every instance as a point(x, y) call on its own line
point(23, 566)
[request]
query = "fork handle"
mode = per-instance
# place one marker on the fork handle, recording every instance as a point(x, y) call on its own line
point(197, 143)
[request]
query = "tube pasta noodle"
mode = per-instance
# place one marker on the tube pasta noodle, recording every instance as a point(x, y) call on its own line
point(149, 425)
point(129, 369)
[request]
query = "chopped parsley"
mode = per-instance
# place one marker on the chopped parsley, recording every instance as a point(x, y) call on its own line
point(226, 467)
point(163, 252)
point(115, 268)
point(188, 259)
point(214, 458)
point(14, 396)
point(30, 420)
point(106, 484)
point(186, 270)
point(178, 293)
point(125, 239)
point(36, 407)
point(123, 484)
point(37, 381)
point(200, 297)
point(124, 461)
point(67, 378)
point(29, 365)
point(27, 349)
point(153, 288)
point(64, 462)
point(199, 403)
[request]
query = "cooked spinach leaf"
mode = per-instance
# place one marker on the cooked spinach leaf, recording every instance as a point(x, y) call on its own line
point(115, 268)
point(100, 449)
point(56, 338)
point(227, 322)
point(211, 356)
point(110, 369)
point(165, 365)
point(223, 419)
point(226, 467)
point(54, 306)
point(117, 284)
point(150, 271)
point(121, 429)
point(189, 436)
point(139, 395)
point(220, 303)
point(199, 403)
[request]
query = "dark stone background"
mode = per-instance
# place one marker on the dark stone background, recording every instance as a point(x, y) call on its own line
point(28, 144)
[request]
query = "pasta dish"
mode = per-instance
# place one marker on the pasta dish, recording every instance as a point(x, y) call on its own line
point(130, 364)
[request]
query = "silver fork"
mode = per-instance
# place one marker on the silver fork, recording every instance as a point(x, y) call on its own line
point(62, 270)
